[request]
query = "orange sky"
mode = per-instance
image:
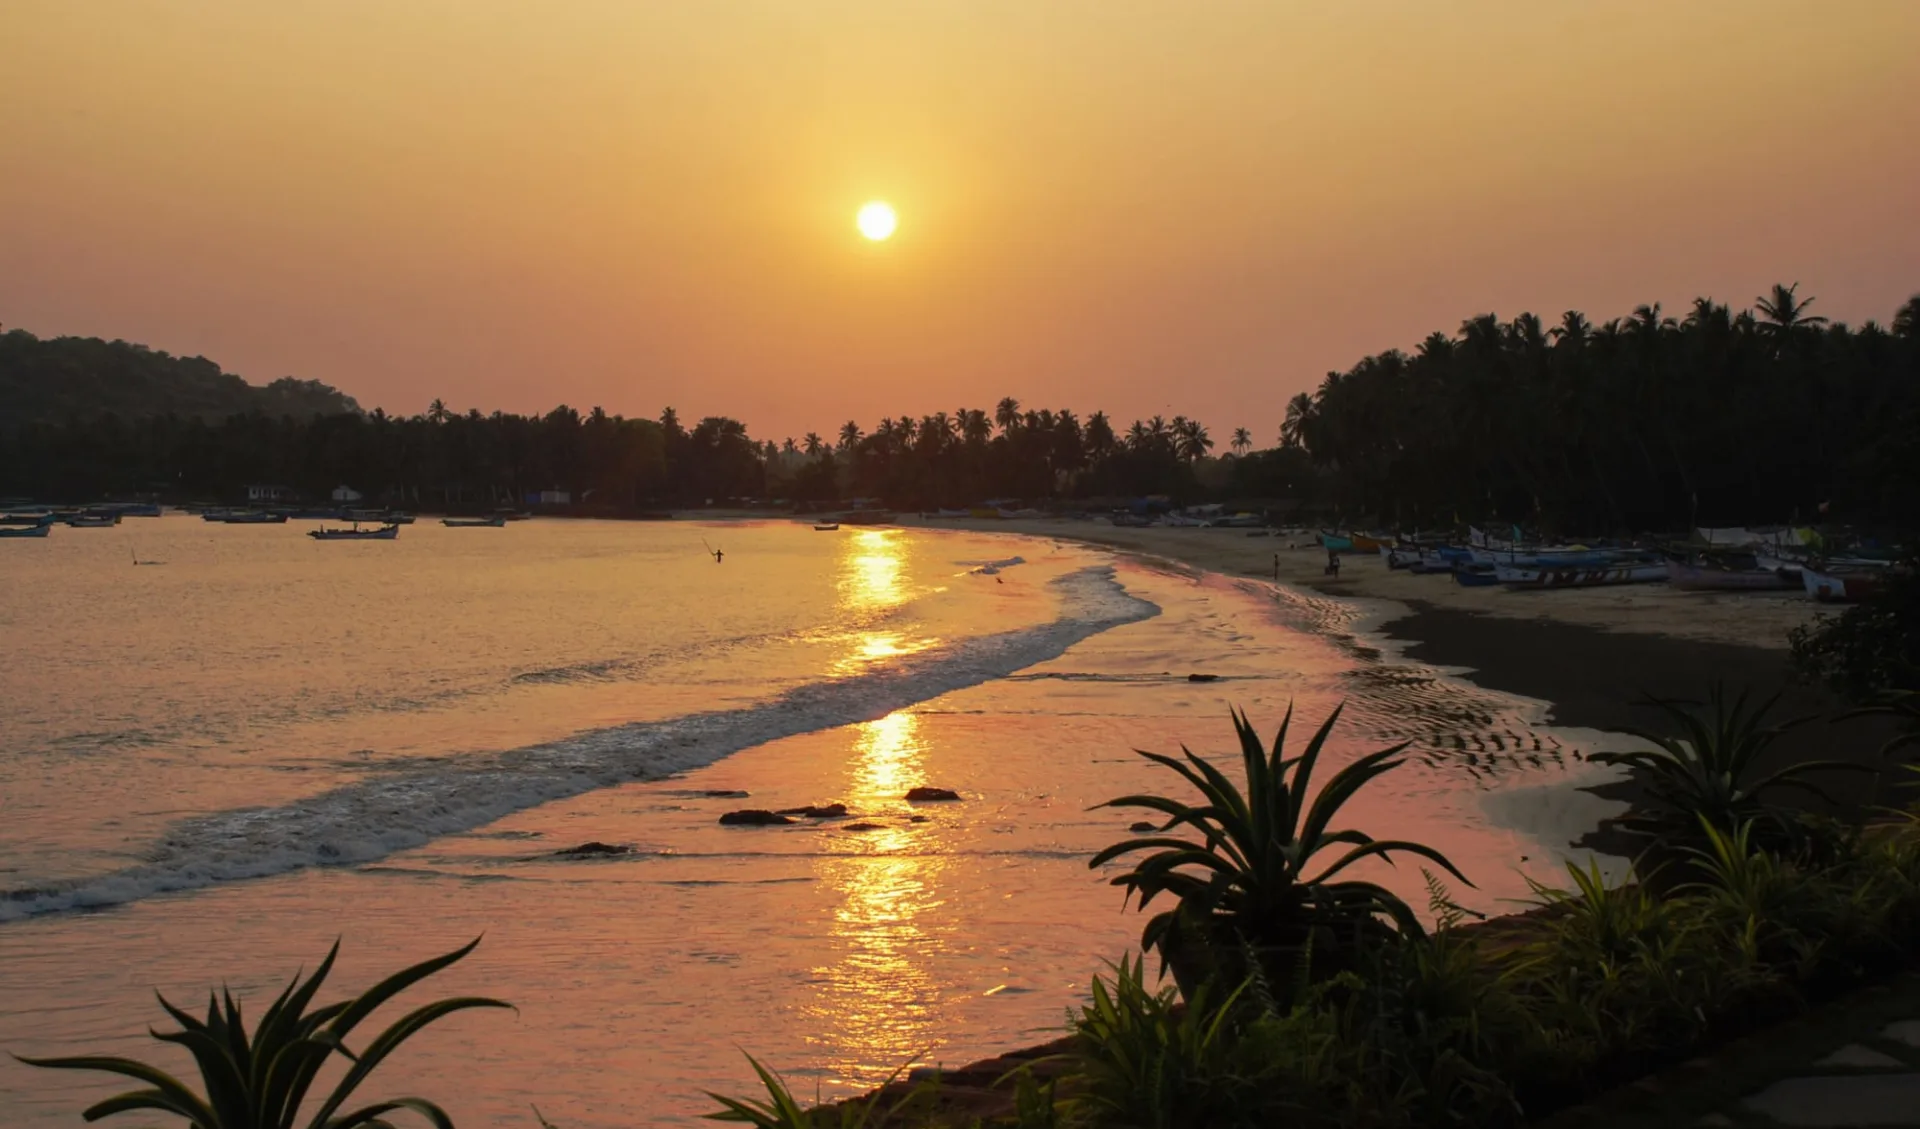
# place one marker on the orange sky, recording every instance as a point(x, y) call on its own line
point(1193, 206)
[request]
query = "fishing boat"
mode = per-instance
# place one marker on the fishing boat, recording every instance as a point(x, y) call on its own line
point(1397, 556)
point(1363, 543)
point(1470, 575)
point(26, 519)
point(497, 521)
point(1705, 577)
point(1570, 556)
point(1831, 584)
point(384, 533)
point(252, 517)
point(829, 528)
point(1584, 576)
point(1335, 543)
point(24, 530)
point(93, 521)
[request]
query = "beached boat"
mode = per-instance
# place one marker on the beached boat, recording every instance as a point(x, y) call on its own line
point(252, 517)
point(26, 519)
point(829, 528)
point(497, 521)
point(1557, 557)
point(1397, 556)
point(1362, 543)
point(25, 530)
point(384, 533)
point(1334, 543)
point(1469, 575)
point(1830, 584)
point(93, 521)
point(1700, 577)
point(1584, 576)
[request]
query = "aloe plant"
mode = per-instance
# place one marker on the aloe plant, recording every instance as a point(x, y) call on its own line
point(1707, 772)
point(1256, 877)
point(260, 1079)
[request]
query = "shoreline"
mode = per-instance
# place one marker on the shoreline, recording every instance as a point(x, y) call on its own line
point(1593, 657)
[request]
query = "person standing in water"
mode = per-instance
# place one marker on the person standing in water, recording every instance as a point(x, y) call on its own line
point(719, 557)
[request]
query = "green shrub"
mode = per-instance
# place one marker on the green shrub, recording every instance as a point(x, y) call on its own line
point(1255, 881)
point(260, 1079)
point(1706, 773)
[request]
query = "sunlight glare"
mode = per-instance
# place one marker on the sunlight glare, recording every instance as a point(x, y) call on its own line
point(876, 220)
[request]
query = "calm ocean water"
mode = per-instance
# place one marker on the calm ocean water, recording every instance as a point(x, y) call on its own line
point(212, 767)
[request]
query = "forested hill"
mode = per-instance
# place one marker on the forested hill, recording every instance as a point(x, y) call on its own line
point(67, 378)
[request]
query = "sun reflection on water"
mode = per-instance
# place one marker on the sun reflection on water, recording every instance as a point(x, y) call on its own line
point(873, 582)
point(877, 1004)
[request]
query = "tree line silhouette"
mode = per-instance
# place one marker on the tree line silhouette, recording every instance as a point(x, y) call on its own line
point(1648, 422)
point(1643, 422)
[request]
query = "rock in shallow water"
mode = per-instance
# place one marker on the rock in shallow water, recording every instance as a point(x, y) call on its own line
point(753, 817)
point(586, 850)
point(924, 795)
point(863, 826)
point(817, 811)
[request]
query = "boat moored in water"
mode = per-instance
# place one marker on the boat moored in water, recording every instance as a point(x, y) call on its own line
point(384, 533)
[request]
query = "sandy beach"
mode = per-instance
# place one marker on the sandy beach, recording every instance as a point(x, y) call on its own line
point(1743, 619)
point(1597, 655)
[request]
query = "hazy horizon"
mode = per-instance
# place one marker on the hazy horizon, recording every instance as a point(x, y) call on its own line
point(1145, 208)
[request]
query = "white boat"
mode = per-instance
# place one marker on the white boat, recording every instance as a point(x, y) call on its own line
point(1830, 584)
point(1580, 576)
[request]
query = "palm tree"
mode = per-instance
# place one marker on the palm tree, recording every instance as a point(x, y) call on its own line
point(1007, 414)
point(1783, 312)
point(1300, 414)
point(1190, 440)
point(814, 445)
point(849, 435)
point(1099, 438)
point(1242, 441)
point(1906, 322)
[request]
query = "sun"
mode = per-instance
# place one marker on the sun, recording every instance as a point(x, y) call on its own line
point(876, 220)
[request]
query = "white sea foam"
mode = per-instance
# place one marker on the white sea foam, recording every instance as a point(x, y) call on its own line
point(368, 820)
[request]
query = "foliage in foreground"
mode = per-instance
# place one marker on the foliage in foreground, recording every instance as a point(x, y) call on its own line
point(260, 1079)
point(1602, 982)
point(1707, 774)
point(1868, 650)
point(1259, 887)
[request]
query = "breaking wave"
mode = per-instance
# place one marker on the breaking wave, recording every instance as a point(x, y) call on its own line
point(365, 821)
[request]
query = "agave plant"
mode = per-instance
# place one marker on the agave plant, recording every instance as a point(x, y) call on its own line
point(1260, 878)
point(1706, 773)
point(781, 1110)
point(260, 1079)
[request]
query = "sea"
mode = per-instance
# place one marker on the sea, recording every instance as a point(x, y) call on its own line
point(225, 748)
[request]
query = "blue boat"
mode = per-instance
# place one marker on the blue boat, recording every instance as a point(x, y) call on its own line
point(24, 530)
point(1475, 576)
point(1333, 542)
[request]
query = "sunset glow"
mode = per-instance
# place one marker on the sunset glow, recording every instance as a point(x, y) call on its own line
point(635, 205)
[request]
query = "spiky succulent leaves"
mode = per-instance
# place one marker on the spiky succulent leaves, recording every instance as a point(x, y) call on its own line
point(261, 1081)
point(1252, 864)
point(779, 1111)
point(1705, 769)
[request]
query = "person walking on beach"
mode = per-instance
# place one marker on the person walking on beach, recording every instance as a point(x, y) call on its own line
point(1276, 568)
point(719, 557)
point(1333, 563)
